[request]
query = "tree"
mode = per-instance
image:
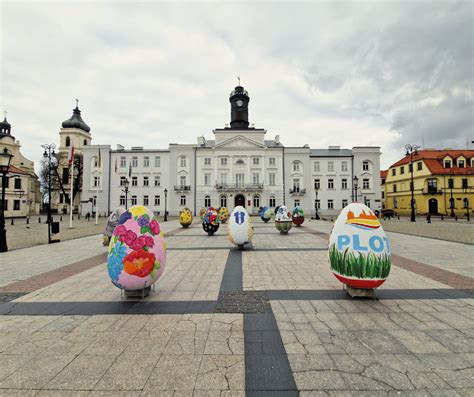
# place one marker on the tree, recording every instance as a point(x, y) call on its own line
point(45, 175)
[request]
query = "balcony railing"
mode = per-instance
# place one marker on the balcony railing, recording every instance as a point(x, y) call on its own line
point(432, 190)
point(182, 188)
point(239, 186)
point(297, 192)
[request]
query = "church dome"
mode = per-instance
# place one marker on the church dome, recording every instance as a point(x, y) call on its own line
point(5, 127)
point(76, 121)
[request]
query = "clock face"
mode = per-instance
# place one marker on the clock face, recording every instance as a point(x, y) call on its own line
point(240, 102)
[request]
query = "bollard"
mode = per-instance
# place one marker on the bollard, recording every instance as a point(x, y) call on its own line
point(39, 220)
point(398, 217)
point(456, 218)
point(442, 217)
point(428, 218)
point(61, 218)
point(27, 221)
point(13, 222)
point(73, 217)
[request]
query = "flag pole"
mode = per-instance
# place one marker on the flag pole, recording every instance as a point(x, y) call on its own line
point(99, 173)
point(71, 195)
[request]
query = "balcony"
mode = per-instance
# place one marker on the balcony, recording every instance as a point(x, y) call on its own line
point(239, 186)
point(182, 188)
point(297, 192)
point(432, 190)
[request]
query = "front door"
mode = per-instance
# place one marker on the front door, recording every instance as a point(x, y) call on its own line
point(433, 206)
point(240, 200)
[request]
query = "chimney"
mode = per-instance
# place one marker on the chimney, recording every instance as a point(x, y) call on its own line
point(277, 139)
point(201, 141)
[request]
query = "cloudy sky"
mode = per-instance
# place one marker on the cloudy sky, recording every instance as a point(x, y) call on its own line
point(318, 73)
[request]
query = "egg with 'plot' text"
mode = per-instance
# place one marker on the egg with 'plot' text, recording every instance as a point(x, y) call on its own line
point(359, 250)
point(239, 229)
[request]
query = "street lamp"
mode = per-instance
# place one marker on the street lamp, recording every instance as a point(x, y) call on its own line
point(412, 150)
point(5, 158)
point(166, 212)
point(126, 184)
point(316, 205)
point(355, 181)
point(451, 200)
point(49, 154)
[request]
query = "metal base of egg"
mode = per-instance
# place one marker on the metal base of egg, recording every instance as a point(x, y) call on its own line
point(136, 293)
point(360, 292)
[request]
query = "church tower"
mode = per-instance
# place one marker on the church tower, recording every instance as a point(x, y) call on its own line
point(239, 108)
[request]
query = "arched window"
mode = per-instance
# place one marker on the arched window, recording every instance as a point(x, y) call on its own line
point(223, 200)
point(452, 203)
point(465, 202)
point(68, 141)
point(256, 201)
point(272, 201)
point(207, 201)
point(239, 161)
point(85, 142)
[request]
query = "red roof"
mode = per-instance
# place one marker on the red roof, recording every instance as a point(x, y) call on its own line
point(383, 174)
point(15, 170)
point(434, 161)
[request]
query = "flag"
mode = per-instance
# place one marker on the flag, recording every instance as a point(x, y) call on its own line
point(115, 164)
point(99, 162)
point(70, 156)
point(130, 171)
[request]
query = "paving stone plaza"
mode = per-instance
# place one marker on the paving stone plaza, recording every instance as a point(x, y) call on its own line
point(268, 321)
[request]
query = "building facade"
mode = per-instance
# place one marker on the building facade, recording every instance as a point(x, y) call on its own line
point(443, 183)
point(239, 166)
point(22, 195)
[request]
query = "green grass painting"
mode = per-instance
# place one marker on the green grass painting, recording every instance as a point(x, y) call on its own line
point(353, 264)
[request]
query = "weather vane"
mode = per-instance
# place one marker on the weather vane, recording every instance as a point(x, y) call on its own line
point(238, 78)
point(5, 114)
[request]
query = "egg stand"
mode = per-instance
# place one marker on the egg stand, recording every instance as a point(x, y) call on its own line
point(136, 293)
point(360, 292)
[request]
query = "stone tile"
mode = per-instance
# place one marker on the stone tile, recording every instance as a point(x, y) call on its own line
point(221, 372)
point(419, 342)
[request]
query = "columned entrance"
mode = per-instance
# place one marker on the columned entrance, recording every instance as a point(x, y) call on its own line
point(240, 200)
point(433, 206)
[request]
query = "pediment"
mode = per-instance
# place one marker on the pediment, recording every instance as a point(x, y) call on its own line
point(239, 142)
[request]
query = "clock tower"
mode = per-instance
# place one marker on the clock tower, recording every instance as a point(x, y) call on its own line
point(239, 108)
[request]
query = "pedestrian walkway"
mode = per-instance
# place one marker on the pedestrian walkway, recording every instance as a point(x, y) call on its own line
point(223, 322)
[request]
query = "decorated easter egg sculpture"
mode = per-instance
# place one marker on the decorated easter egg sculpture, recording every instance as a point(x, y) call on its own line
point(298, 216)
point(359, 250)
point(223, 214)
point(210, 223)
point(137, 250)
point(202, 212)
point(185, 217)
point(265, 214)
point(239, 229)
point(283, 221)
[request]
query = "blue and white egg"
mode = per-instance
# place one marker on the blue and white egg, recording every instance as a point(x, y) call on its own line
point(239, 227)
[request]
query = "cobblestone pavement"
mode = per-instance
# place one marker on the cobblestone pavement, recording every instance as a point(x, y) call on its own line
point(271, 320)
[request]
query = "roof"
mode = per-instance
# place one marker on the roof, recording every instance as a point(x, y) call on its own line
point(75, 121)
point(271, 143)
point(15, 170)
point(330, 152)
point(383, 174)
point(434, 160)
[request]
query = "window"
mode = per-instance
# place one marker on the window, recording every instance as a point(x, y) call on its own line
point(452, 203)
point(182, 180)
point(256, 161)
point(240, 180)
point(394, 188)
point(296, 185)
point(17, 183)
point(447, 163)
point(344, 203)
point(123, 162)
point(122, 200)
point(145, 200)
point(365, 184)
point(61, 198)
point(419, 166)
point(134, 181)
point(16, 205)
point(296, 166)
point(297, 203)
point(224, 161)
point(134, 161)
point(207, 179)
point(256, 178)
point(134, 200)
point(68, 141)
point(157, 180)
point(256, 201)
point(207, 201)
point(96, 181)
point(182, 201)
point(330, 165)
point(330, 183)
point(223, 179)
point(432, 186)
point(365, 166)
point(65, 176)
point(330, 204)
point(223, 200)
point(146, 161)
point(461, 163)
point(344, 166)
point(122, 181)
point(410, 167)
point(344, 185)
point(367, 203)
point(317, 184)
point(240, 162)
point(207, 161)
point(465, 202)
point(316, 166)
point(146, 181)
point(402, 170)
point(317, 204)
point(450, 183)
point(271, 179)
point(157, 200)
point(157, 161)
point(383, 195)
point(272, 201)
point(394, 171)
point(464, 183)
point(183, 161)
point(85, 142)
point(271, 161)
point(5, 205)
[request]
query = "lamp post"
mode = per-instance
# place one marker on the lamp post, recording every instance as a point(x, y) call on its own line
point(451, 200)
point(5, 158)
point(411, 151)
point(166, 212)
point(126, 184)
point(355, 181)
point(48, 154)
point(316, 205)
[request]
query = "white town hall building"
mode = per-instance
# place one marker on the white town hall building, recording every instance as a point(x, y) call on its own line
point(239, 166)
